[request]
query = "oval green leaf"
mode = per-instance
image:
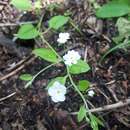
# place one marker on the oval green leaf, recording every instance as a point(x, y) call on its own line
point(46, 54)
point(26, 77)
point(83, 85)
point(62, 80)
point(80, 67)
point(81, 113)
point(58, 21)
point(22, 4)
point(113, 9)
point(99, 121)
point(27, 31)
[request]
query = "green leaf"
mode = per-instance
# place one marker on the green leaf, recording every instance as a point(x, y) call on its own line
point(113, 9)
point(81, 113)
point(22, 4)
point(98, 120)
point(83, 85)
point(37, 4)
point(95, 122)
point(80, 67)
point(58, 21)
point(27, 31)
point(46, 54)
point(123, 26)
point(118, 39)
point(26, 77)
point(62, 80)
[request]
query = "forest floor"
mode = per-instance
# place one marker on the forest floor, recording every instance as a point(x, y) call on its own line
point(32, 108)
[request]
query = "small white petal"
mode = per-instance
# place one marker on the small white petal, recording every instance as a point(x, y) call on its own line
point(71, 57)
point(51, 91)
point(60, 87)
point(63, 37)
point(58, 40)
point(65, 57)
point(62, 98)
point(61, 40)
point(58, 98)
point(91, 93)
point(57, 92)
point(69, 63)
point(54, 99)
point(75, 62)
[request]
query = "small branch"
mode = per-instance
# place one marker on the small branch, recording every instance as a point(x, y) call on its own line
point(108, 107)
point(4, 98)
point(17, 69)
point(17, 24)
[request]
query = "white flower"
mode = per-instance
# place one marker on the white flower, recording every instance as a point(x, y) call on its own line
point(57, 92)
point(63, 37)
point(91, 93)
point(71, 57)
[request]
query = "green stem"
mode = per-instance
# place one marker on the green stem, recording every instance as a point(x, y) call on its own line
point(41, 71)
point(40, 22)
point(76, 88)
point(123, 45)
point(47, 43)
point(47, 67)
point(46, 31)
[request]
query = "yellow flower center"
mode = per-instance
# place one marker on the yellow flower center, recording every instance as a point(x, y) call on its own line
point(58, 92)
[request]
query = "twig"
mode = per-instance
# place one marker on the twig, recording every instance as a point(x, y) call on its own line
point(3, 3)
point(108, 99)
point(108, 107)
point(18, 64)
point(86, 53)
point(17, 69)
point(4, 98)
point(17, 24)
point(111, 82)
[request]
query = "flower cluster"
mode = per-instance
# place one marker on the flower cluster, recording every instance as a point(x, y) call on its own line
point(63, 37)
point(57, 92)
point(71, 57)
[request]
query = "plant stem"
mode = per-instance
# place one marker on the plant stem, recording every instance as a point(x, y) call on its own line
point(34, 77)
point(47, 67)
point(46, 31)
point(40, 22)
point(123, 45)
point(47, 43)
point(76, 88)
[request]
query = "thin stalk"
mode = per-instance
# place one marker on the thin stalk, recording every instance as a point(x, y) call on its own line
point(41, 71)
point(76, 88)
point(47, 67)
point(123, 45)
point(40, 22)
point(47, 43)
point(46, 31)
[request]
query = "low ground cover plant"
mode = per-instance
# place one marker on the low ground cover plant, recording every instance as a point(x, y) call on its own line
point(72, 61)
